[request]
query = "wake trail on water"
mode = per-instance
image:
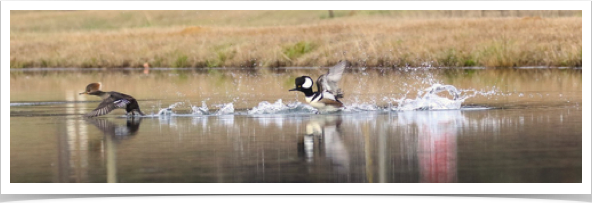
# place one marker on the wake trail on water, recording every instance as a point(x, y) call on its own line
point(427, 99)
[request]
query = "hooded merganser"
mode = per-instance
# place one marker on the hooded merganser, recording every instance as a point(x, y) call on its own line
point(328, 93)
point(111, 101)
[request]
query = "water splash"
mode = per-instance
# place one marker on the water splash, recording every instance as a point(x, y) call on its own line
point(472, 93)
point(225, 109)
point(203, 110)
point(427, 99)
point(430, 100)
point(172, 106)
point(355, 107)
point(279, 107)
point(436, 88)
point(165, 112)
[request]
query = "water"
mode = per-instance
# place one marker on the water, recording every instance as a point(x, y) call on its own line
point(240, 125)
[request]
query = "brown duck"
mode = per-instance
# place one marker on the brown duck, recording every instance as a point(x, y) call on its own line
point(111, 101)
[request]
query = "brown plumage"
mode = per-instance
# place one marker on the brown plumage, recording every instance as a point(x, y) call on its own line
point(111, 101)
point(329, 102)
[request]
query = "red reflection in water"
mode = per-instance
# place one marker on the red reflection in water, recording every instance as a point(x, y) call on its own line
point(437, 157)
point(437, 146)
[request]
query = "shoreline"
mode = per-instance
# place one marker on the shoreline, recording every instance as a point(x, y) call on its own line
point(40, 69)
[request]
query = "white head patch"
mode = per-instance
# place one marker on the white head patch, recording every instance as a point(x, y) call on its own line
point(307, 83)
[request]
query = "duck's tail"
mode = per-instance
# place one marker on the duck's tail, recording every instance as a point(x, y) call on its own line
point(140, 112)
point(133, 106)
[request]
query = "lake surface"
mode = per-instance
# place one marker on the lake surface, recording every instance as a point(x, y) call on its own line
point(242, 125)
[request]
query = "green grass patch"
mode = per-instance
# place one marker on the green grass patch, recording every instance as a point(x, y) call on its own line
point(19, 64)
point(181, 62)
point(469, 61)
point(296, 50)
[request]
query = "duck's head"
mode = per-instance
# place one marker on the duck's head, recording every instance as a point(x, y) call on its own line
point(303, 83)
point(92, 87)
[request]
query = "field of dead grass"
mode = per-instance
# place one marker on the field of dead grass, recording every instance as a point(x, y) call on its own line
point(293, 38)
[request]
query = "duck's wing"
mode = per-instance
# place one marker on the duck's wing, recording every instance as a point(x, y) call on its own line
point(328, 82)
point(108, 105)
point(335, 72)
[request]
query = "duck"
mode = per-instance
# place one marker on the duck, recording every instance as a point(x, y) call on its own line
point(111, 101)
point(327, 96)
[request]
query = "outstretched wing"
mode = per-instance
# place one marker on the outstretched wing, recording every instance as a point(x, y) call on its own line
point(335, 72)
point(328, 82)
point(107, 106)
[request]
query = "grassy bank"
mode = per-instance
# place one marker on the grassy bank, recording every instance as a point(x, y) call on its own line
point(295, 38)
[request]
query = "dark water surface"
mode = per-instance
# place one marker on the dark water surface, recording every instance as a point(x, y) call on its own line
point(516, 126)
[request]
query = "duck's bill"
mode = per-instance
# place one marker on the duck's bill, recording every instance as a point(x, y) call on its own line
point(293, 89)
point(82, 93)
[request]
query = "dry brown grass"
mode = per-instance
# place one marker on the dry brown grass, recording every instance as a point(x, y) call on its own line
point(288, 39)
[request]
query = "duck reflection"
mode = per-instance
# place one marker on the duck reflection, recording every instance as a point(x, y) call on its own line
point(323, 139)
point(117, 132)
point(113, 135)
